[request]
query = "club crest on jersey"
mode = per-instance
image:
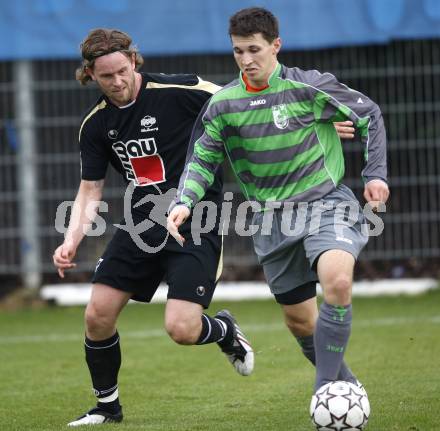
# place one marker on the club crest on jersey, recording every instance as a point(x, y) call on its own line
point(140, 161)
point(280, 116)
point(147, 124)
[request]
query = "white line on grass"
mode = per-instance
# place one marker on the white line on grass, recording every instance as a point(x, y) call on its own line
point(258, 327)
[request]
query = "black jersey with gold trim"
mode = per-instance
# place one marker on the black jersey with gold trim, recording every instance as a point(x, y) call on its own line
point(146, 141)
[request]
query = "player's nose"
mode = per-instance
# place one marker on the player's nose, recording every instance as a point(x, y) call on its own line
point(246, 60)
point(117, 81)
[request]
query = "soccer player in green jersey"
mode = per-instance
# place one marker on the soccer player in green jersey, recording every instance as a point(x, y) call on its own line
point(274, 124)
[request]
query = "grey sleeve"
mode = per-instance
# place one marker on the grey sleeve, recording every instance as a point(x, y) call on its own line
point(205, 154)
point(196, 134)
point(335, 101)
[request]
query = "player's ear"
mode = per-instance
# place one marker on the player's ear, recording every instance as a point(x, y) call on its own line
point(133, 60)
point(276, 45)
point(89, 72)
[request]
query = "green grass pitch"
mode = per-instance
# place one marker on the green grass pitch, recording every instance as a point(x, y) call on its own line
point(394, 350)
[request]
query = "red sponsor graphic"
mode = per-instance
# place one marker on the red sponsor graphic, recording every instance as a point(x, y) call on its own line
point(148, 169)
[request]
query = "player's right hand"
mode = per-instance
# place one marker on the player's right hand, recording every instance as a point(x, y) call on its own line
point(376, 191)
point(175, 219)
point(63, 256)
point(344, 129)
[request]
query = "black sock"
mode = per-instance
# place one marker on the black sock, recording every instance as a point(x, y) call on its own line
point(214, 331)
point(112, 407)
point(104, 360)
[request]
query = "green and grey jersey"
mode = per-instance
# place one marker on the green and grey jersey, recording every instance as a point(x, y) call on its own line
point(281, 141)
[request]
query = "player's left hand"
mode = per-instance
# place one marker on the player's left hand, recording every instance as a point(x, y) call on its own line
point(175, 219)
point(376, 192)
point(344, 129)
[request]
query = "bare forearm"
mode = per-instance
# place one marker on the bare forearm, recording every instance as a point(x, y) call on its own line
point(84, 210)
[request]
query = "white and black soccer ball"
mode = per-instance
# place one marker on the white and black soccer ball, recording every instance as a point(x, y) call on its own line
point(340, 406)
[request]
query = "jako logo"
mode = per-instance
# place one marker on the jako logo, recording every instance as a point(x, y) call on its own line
point(258, 102)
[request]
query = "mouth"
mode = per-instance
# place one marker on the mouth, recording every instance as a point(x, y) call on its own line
point(250, 70)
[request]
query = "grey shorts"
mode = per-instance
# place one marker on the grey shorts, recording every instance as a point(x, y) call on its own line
point(290, 240)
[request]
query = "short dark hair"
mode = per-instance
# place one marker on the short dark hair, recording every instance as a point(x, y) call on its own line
point(249, 21)
point(103, 41)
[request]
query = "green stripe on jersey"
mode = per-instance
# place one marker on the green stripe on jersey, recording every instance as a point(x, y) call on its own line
point(195, 187)
point(333, 155)
point(208, 155)
point(362, 124)
point(321, 100)
point(207, 175)
point(238, 92)
point(261, 116)
point(186, 200)
point(342, 112)
point(345, 110)
point(230, 93)
point(274, 142)
point(287, 191)
point(279, 168)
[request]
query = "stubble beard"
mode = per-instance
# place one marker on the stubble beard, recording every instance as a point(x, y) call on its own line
point(126, 96)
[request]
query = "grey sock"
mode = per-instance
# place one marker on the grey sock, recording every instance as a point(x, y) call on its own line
point(346, 374)
point(308, 349)
point(331, 337)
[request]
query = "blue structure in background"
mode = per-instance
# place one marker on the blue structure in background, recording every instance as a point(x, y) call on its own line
point(33, 29)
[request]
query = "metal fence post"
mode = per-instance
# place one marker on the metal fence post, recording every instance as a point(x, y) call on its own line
point(27, 175)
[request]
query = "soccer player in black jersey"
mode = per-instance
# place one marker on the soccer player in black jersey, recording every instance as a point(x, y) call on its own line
point(141, 125)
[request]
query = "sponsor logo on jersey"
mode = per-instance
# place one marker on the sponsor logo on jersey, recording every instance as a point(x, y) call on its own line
point(140, 161)
point(147, 124)
point(280, 116)
point(257, 102)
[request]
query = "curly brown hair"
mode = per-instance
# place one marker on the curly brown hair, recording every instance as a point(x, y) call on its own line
point(102, 41)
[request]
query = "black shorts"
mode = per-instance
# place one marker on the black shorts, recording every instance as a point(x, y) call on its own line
point(191, 271)
point(297, 295)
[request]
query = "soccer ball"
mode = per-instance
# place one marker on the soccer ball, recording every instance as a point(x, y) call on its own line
point(340, 406)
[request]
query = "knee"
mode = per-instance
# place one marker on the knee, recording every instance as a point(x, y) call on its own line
point(98, 322)
point(182, 331)
point(300, 327)
point(340, 287)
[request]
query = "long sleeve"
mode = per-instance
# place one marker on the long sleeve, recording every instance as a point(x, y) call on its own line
point(208, 153)
point(334, 101)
